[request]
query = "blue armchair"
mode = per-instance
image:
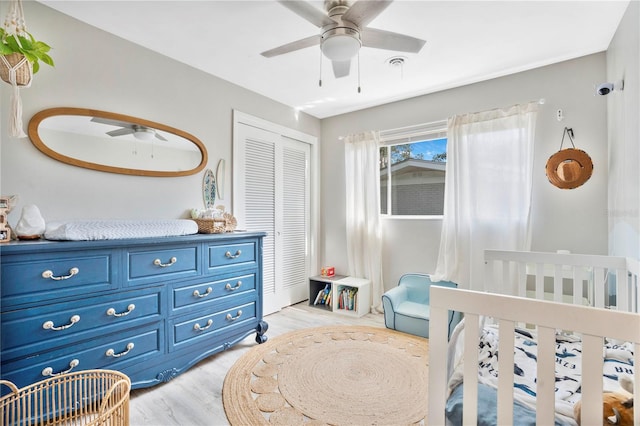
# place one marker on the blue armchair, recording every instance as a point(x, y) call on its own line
point(406, 307)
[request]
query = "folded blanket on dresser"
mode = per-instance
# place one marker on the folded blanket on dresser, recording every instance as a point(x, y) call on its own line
point(82, 230)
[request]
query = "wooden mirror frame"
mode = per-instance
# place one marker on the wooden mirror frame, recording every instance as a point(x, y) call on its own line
point(37, 141)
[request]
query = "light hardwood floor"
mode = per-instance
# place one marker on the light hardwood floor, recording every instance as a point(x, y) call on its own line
point(195, 397)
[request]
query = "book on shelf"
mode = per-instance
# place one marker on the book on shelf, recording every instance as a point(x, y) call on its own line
point(324, 296)
point(348, 299)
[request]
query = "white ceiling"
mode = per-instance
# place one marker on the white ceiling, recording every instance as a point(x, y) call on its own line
point(467, 41)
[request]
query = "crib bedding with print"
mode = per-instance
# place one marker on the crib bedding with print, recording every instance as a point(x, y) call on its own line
point(555, 348)
point(618, 360)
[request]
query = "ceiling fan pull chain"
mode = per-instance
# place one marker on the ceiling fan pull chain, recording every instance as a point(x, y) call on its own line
point(320, 79)
point(358, 71)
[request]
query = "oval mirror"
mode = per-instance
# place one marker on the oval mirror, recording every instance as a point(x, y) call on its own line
point(116, 143)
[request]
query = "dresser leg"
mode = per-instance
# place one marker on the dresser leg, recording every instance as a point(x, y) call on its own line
point(261, 328)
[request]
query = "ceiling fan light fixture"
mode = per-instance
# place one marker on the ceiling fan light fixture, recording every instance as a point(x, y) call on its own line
point(341, 44)
point(144, 134)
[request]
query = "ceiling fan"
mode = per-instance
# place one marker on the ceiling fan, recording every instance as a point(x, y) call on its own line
point(343, 30)
point(138, 131)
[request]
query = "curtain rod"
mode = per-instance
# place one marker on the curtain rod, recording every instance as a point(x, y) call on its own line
point(540, 101)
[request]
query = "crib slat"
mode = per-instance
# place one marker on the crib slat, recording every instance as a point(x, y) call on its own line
point(505, 367)
point(577, 286)
point(437, 362)
point(470, 390)
point(622, 290)
point(636, 379)
point(539, 281)
point(591, 383)
point(598, 281)
point(557, 283)
point(546, 378)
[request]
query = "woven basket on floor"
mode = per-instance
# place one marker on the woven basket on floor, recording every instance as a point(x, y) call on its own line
point(87, 398)
point(23, 73)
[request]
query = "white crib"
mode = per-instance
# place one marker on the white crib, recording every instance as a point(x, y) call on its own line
point(595, 296)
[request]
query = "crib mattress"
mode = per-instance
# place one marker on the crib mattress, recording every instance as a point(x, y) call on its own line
point(84, 230)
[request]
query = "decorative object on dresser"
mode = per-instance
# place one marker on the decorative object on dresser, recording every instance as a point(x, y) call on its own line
point(5, 208)
point(31, 225)
point(148, 307)
point(330, 375)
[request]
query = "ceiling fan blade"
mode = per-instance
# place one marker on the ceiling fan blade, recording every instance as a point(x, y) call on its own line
point(159, 136)
point(341, 68)
point(364, 11)
point(388, 40)
point(110, 122)
point(308, 12)
point(120, 132)
point(293, 46)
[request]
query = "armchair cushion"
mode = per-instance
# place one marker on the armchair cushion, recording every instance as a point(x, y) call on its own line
point(406, 307)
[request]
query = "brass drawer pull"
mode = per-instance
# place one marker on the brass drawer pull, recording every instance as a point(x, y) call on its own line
point(49, 371)
point(198, 327)
point(159, 263)
point(237, 286)
point(238, 315)
point(111, 352)
point(233, 256)
point(49, 274)
point(48, 325)
point(196, 293)
point(112, 311)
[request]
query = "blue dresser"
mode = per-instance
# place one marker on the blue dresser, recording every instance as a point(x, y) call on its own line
point(150, 308)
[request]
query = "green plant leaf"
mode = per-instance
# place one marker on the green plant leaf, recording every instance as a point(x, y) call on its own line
point(5, 50)
point(13, 44)
point(25, 43)
point(36, 67)
point(41, 47)
point(46, 59)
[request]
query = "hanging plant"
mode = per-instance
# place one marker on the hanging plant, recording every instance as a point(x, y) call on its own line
point(27, 46)
point(20, 56)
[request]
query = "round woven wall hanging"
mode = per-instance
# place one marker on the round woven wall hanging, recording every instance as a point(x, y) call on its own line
point(569, 168)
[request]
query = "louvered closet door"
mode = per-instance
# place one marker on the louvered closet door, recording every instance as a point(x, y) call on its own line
point(274, 188)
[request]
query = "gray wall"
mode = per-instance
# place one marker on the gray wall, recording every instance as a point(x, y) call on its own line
point(95, 69)
point(623, 62)
point(575, 220)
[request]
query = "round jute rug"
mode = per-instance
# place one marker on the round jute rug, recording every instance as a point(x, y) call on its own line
point(338, 375)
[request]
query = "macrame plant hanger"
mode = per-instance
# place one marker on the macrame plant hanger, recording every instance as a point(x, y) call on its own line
point(16, 69)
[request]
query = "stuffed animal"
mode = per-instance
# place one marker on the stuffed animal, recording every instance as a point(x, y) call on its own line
point(618, 406)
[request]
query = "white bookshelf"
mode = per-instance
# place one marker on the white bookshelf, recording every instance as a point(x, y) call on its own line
point(357, 305)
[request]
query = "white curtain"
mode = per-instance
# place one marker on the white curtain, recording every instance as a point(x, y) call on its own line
point(487, 190)
point(364, 234)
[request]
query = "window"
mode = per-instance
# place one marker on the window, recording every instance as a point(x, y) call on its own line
point(412, 170)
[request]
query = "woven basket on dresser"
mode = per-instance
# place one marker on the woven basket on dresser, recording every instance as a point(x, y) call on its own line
point(23, 73)
point(87, 398)
point(211, 226)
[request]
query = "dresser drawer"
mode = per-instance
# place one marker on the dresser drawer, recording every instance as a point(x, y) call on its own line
point(202, 327)
point(202, 293)
point(33, 330)
point(236, 255)
point(38, 278)
point(112, 351)
point(162, 263)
